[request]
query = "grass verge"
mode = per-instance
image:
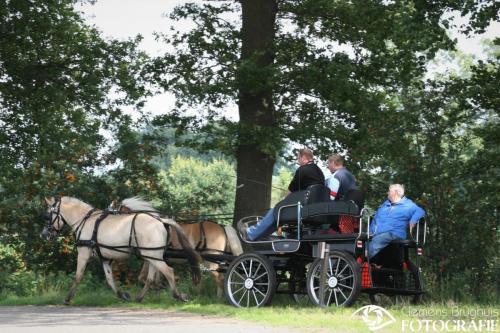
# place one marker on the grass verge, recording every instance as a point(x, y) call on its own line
point(283, 312)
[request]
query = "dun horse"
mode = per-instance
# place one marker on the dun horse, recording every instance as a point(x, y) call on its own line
point(116, 237)
point(206, 237)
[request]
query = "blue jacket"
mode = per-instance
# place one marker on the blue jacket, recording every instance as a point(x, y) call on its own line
point(395, 217)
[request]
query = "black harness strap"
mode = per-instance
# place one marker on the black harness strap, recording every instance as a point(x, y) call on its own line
point(94, 233)
point(94, 244)
point(79, 227)
point(202, 243)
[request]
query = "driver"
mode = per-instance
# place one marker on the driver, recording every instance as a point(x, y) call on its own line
point(306, 175)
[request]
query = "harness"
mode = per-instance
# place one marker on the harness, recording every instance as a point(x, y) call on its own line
point(202, 245)
point(56, 216)
point(128, 249)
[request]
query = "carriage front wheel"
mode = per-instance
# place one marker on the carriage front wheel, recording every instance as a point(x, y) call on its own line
point(342, 283)
point(250, 281)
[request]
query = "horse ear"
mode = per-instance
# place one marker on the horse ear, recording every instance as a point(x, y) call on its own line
point(49, 201)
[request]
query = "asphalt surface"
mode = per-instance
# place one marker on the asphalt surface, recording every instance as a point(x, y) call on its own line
point(43, 319)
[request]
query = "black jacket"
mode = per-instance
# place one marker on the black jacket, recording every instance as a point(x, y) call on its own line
point(305, 176)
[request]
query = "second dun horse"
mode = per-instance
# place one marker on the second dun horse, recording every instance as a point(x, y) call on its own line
point(116, 237)
point(208, 238)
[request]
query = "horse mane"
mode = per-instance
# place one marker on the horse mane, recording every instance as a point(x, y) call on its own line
point(77, 201)
point(138, 204)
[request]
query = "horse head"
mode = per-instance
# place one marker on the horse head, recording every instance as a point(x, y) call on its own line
point(54, 221)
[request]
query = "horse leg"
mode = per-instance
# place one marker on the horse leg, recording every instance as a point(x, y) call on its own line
point(83, 258)
point(143, 275)
point(147, 281)
point(106, 265)
point(168, 272)
point(218, 278)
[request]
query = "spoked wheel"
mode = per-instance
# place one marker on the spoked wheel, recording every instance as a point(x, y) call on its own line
point(401, 300)
point(250, 281)
point(343, 280)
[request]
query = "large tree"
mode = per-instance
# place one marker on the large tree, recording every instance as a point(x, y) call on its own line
point(313, 72)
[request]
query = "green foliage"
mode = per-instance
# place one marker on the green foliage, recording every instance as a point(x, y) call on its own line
point(438, 140)
point(61, 91)
point(280, 185)
point(194, 187)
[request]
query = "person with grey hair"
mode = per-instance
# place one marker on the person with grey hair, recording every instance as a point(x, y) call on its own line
point(392, 219)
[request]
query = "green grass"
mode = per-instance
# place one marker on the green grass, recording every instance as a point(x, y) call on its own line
point(283, 312)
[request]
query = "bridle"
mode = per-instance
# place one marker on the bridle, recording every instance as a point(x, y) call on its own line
point(55, 217)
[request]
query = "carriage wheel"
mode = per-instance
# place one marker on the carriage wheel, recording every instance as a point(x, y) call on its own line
point(250, 281)
point(343, 280)
point(392, 300)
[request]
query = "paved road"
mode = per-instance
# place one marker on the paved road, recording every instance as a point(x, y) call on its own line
point(44, 319)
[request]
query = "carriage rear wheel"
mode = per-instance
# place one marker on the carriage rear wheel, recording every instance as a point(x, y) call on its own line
point(343, 280)
point(250, 281)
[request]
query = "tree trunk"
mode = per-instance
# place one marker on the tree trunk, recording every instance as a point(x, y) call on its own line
point(256, 109)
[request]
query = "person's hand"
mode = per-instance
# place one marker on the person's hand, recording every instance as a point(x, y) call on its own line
point(411, 228)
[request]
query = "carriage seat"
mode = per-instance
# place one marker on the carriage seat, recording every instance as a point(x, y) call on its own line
point(317, 208)
point(286, 209)
point(404, 242)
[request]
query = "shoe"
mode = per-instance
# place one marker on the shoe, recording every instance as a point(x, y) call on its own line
point(242, 230)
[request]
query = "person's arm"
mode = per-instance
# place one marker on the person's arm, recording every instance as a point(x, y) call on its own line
point(418, 213)
point(373, 224)
point(333, 184)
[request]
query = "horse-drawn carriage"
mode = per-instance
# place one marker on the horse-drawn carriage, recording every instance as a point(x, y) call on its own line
point(304, 259)
point(331, 268)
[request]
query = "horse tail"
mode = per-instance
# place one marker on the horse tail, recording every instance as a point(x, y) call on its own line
point(233, 240)
point(193, 257)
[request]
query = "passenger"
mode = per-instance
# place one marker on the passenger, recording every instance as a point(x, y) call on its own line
point(306, 175)
point(392, 219)
point(341, 180)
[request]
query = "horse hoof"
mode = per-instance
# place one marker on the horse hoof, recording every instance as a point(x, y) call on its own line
point(124, 295)
point(182, 297)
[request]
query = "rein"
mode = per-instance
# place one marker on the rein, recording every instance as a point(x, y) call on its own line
point(94, 244)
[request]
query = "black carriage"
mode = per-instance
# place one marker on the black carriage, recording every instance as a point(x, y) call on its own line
point(330, 266)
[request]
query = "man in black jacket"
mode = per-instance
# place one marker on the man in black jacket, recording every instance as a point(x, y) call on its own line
point(306, 175)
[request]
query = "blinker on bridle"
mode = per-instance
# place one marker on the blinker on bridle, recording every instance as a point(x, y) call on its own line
point(54, 216)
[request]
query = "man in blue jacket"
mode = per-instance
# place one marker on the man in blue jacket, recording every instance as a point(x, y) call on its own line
point(392, 219)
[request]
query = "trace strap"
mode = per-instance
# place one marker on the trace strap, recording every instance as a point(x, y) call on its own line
point(94, 244)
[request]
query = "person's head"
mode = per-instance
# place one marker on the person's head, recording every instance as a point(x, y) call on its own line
point(396, 192)
point(305, 156)
point(335, 162)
